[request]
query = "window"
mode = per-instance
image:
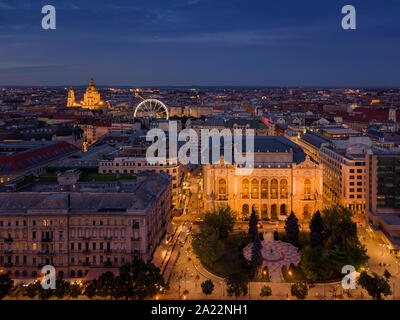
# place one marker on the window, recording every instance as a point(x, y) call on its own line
point(274, 214)
point(255, 191)
point(283, 210)
point(245, 189)
point(245, 210)
point(222, 190)
point(274, 189)
point(284, 189)
point(307, 187)
point(264, 189)
point(307, 212)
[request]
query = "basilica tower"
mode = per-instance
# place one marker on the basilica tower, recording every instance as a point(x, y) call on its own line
point(71, 97)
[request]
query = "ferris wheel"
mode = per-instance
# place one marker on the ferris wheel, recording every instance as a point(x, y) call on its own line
point(151, 108)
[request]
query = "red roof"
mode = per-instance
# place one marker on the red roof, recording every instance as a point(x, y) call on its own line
point(33, 157)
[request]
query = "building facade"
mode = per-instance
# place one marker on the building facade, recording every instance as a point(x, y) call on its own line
point(79, 231)
point(383, 198)
point(283, 179)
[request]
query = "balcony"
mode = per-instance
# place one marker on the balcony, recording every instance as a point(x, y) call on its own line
point(9, 239)
point(222, 197)
point(108, 264)
point(107, 238)
point(87, 238)
point(46, 253)
point(47, 239)
point(9, 251)
point(107, 251)
point(86, 251)
point(86, 264)
point(8, 265)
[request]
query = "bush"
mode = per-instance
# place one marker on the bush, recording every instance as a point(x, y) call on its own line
point(266, 292)
point(299, 290)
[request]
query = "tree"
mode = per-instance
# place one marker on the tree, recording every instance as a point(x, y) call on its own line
point(253, 229)
point(90, 289)
point(299, 290)
point(6, 285)
point(315, 263)
point(375, 285)
point(265, 292)
point(316, 228)
point(106, 284)
point(207, 287)
point(338, 226)
point(207, 245)
point(256, 256)
point(237, 284)
point(62, 288)
point(221, 220)
point(387, 274)
point(74, 290)
point(292, 228)
point(147, 279)
point(32, 289)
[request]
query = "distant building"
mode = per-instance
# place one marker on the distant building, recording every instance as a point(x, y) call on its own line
point(19, 159)
point(91, 99)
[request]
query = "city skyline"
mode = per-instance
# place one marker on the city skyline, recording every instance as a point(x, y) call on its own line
point(199, 43)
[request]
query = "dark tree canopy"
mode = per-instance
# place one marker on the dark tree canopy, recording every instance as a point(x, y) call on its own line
point(221, 220)
point(256, 256)
point(253, 229)
point(6, 284)
point(376, 286)
point(299, 290)
point(292, 228)
point(207, 287)
point(237, 284)
point(316, 229)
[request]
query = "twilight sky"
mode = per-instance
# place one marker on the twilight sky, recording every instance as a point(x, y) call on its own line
point(200, 42)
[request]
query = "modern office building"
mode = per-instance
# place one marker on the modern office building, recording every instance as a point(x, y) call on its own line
point(383, 197)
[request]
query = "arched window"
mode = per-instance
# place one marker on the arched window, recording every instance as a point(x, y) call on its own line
point(274, 189)
point(264, 211)
point(222, 190)
point(245, 189)
point(255, 189)
point(264, 189)
point(80, 274)
point(245, 210)
point(284, 189)
point(72, 274)
point(274, 214)
point(256, 209)
point(307, 212)
point(60, 274)
point(283, 210)
point(307, 187)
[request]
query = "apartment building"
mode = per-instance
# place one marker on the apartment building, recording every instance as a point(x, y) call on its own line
point(92, 226)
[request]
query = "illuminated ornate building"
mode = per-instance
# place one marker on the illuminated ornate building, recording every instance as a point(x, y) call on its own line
point(284, 179)
point(91, 98)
